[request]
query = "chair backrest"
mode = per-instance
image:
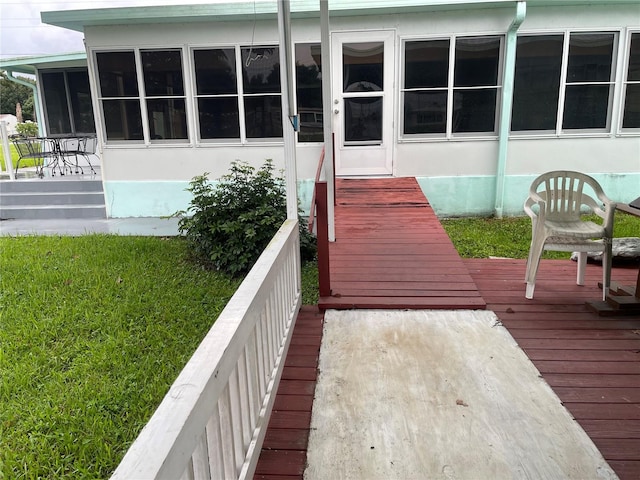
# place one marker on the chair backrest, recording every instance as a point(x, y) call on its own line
point(88, 145)
point(564, 194)
point(24, 146)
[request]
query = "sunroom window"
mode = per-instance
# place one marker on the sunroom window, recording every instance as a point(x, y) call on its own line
point(164, 94)
point(67, 99)
point(589, 84)
point(261, 92)
point(545, 100)
point(631, 118)
point(159, 97)
point(537, 82)
point(119, 95)
point(217, 93)
point(440, 101)
point(309, 92)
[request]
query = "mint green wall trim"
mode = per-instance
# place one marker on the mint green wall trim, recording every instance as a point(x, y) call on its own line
point(473, 196)
point(145, 199)
point(507, 101)
point(161, 198)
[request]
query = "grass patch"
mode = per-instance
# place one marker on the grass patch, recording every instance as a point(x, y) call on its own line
point(93, 331)
point(510, 237)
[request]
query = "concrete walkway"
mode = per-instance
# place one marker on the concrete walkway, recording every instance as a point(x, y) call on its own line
point(432, 394)
point(138, 226)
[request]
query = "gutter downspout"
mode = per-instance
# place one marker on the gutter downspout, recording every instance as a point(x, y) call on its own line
point(507, 102)
point(36, 98)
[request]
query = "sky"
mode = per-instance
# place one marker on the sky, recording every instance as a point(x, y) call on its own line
point(23, 34)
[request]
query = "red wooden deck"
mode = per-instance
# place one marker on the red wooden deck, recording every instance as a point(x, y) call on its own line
point(391, 251)
point(591, 362)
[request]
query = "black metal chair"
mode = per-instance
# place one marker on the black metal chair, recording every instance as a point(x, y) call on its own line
point(41, 150)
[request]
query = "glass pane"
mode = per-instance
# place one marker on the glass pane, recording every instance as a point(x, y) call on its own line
point(425, 112)
point(363, 119)
point(477, 61)
point(309, 92)
point(167, 119)
point(218, 117)
point(426, 64)
point(362, 66)
point(117, 74)
point(586, 106)
point(55, 100)
point(261, 70)
point(122, 119)
point(474, 110)
point(215, 71)
point(81, 101)
point(263, 116)
point(537, 82)
point(632, 107)
point(162, 71)
point(634, 59)
point(590, 57)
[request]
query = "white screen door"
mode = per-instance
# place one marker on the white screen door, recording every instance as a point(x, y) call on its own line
point(363, 65)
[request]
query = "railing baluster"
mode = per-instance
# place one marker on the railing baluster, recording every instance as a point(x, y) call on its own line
point(245, 401)
point(214, 445)
point(236, 418)
point(200, 459)
point(226, 433)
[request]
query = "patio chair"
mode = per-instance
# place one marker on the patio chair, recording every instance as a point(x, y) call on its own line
point(555, 204)
point(41, 150)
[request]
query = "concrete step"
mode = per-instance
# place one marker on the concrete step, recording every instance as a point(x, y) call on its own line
point(43, 212)
point(59, 198)
point(41, 186)
point(51, 198)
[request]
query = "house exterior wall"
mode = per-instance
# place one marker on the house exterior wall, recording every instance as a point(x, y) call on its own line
point(457, 174)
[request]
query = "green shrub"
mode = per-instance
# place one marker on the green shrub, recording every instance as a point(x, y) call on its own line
point(229, 225)
point(27, 129)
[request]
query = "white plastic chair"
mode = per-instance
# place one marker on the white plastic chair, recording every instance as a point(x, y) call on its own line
point(555, 204)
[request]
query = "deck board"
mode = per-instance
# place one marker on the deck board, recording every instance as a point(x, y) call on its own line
point(392, 252)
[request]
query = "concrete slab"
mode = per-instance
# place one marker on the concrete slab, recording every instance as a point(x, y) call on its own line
point(137, 226)
point(437, 395)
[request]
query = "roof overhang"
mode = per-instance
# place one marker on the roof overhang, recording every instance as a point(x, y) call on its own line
point(237, 11)
point(29, 65)
point(267, 9)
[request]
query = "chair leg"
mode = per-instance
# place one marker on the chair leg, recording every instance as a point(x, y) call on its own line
point(535, 252)
point(606, 267)
point(582, 265)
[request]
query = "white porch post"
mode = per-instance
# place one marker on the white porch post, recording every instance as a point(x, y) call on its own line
point(327, 114)
point(289, 117)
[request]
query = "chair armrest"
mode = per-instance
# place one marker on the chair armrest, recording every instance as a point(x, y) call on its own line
point(535, 199)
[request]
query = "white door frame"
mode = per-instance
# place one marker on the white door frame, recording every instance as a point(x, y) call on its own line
point(371, 157)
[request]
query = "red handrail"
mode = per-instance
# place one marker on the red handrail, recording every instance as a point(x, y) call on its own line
point(312, 208)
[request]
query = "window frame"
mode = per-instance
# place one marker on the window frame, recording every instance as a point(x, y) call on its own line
point(68, 100)
point(558, 130)
point(624, 82)
point(142, 98)
point(196, 96)
point(316, 115)
point(450, 89)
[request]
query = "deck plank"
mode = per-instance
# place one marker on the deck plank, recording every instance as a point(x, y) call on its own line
point(392, 252)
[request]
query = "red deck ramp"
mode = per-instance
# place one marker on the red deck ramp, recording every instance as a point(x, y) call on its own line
point(392, 252)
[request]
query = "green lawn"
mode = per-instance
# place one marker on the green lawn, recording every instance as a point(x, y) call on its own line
point(94, 329)
point(29, 162)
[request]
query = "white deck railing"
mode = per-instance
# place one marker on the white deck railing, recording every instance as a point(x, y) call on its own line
point(212, 423)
